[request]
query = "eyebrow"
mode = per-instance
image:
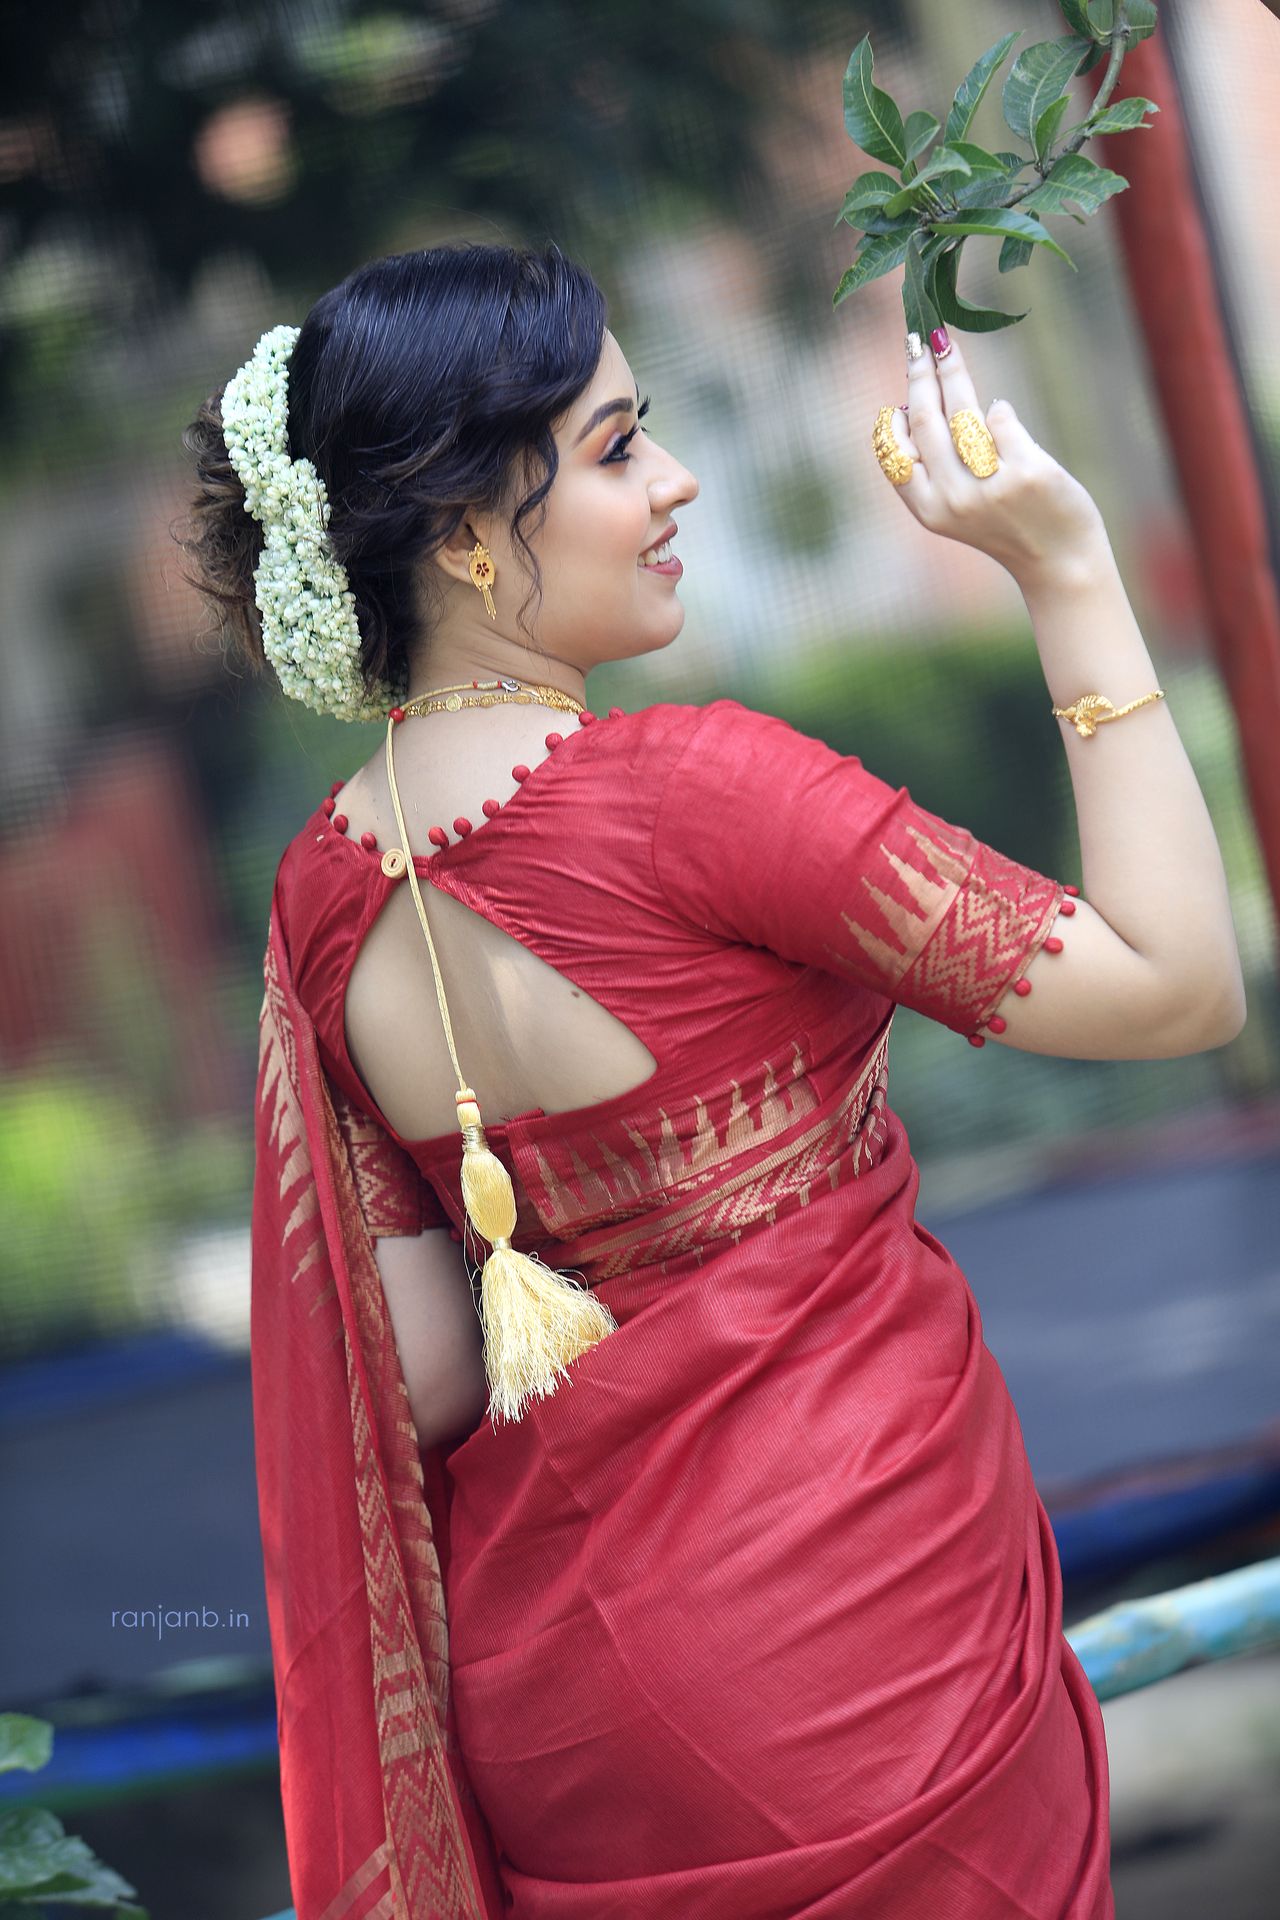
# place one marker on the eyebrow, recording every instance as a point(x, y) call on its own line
point(603, 412)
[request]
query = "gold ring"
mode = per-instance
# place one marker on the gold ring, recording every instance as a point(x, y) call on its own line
point(894, 463)
point(972, 439)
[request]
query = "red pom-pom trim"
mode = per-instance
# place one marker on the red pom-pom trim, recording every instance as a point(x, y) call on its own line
point(1068, 907)
point(520, 772)
point(1023, 987)
point(462, 825)
point(1067, 888)
point(369, 840)
point(328, 804)
point(1053, 944)
point(490, 807)
point(438, 837)
point(341, 822)
point(977, 1039)
point(997, 1023)
point(554, 739)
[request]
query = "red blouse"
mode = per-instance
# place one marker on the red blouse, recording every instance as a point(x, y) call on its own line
point(688, 867)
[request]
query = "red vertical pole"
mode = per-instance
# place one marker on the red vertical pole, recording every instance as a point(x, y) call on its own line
point(1175, 295)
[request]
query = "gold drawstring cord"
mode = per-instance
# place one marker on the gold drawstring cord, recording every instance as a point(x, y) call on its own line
point(535, 1319)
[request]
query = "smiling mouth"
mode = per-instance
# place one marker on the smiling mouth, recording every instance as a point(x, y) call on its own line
point(656, 556)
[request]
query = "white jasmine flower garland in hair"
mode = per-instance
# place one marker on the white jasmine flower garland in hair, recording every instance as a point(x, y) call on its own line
point(310, 633)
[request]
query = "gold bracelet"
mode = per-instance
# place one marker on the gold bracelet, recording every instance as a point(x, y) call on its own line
point(1092, 710)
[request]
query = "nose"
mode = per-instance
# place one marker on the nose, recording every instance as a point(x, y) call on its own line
point(678, 484)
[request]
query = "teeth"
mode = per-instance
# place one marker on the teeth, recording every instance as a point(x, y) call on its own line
point(656, 556)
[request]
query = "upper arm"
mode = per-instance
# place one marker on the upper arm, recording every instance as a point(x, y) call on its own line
point(424, 1276)
point(1099, 999)
point(437, 1331)
point(766, 835)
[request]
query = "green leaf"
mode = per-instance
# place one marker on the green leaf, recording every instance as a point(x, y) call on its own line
point(1142, 20)
point(1014, 253)
point(904, 201)
point(960, 313)
point(1073, 179)
point(1047, 125)
point(945, 159)
point(1120, 115)
point(871, 117)
point(1076, 15)
point(1036, 79)
point(917, 194)
point(879, 253)
point(989, 189)
point(1099, 51)
point(1140, 14)
point(918, 132)
point(968, 95)
point(976, 159)
point(867, 195)
point(39, 1861)
point(917, 298)
point(1001, 221)
point(24, 1742)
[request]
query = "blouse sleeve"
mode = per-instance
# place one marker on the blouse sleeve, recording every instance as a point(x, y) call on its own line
point(395, 1196)
point(767, 836)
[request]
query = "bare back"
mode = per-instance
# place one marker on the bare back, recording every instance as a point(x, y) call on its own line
point(527, 1036)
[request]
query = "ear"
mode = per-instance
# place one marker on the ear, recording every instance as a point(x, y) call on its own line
point(454, 557)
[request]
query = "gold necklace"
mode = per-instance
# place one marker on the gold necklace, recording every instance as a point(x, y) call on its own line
point(486, 693)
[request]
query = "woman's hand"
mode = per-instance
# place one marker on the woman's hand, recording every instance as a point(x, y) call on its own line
point(1031, 514)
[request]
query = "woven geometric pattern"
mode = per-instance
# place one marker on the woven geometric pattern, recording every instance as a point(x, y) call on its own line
point(952, 921)
point(388, 1183)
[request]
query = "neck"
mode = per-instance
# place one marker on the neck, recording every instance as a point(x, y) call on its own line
point(448, 668)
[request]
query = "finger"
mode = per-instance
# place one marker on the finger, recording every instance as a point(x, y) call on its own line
point(902, 434)
point(1011, 437)
point(928, 420)
point(954, 379)
point(918, 489)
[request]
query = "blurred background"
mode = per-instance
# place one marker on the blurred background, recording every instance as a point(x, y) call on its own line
point(174, 182)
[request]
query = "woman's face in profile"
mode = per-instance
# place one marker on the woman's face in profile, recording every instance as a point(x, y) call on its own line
point(616, 492)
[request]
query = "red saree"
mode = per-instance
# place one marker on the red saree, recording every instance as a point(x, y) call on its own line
point(759, 1615)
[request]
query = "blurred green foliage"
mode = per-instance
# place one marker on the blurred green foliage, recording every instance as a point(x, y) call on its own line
point(94, 1193)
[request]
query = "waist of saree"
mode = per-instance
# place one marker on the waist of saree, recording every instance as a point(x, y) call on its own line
point(833, 1141)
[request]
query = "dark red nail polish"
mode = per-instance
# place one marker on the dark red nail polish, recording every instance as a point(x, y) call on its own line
point(940, 343)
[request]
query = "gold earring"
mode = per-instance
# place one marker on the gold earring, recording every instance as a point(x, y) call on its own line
point(482, 572)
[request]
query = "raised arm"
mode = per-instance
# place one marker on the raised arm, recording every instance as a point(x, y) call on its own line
point(1149, 965)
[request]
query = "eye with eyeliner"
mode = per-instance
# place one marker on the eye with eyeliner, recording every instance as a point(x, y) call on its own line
point(617, 455)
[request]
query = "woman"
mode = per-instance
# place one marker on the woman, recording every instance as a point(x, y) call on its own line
point(754, 1609)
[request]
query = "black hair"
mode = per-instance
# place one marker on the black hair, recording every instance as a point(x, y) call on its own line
point(424, 385)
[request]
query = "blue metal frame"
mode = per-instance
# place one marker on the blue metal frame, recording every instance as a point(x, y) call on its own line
point(1137, 1642)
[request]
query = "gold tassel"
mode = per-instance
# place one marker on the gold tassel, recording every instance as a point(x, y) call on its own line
point(535, 1320)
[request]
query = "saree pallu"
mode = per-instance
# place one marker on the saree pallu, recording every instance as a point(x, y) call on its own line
point(758, 1616)
point(380, 1822)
